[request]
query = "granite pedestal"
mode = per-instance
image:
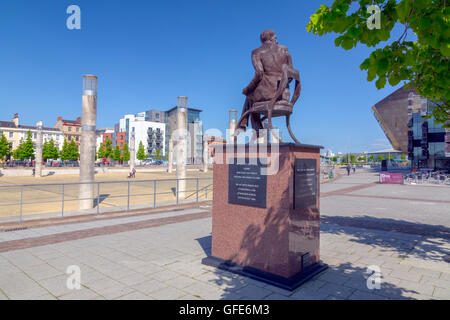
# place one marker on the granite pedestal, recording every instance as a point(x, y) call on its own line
point(266, 227)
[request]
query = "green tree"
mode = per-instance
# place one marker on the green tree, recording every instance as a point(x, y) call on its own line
point(372, 158)
point(403, 156)
point(49, 150)
point(108, 149)
point(424, 64)
point(69, 151)
point(141, 152)
point(125, 153)
point(380, 158)
point(25, 149)
point(116, 154)
point(158, 154)
point(73, 150)
point(17, 153)
point(64, 151)
point(101, 151)
point(28, 147)
point(5, 148)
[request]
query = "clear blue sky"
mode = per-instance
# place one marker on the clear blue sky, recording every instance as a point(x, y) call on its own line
point(146, 53)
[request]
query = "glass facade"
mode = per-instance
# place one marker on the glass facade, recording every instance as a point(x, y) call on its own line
point(428, 146)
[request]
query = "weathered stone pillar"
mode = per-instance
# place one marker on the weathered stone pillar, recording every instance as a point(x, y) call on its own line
point(132, 150)
point(87, 146)
point(170, 157)
point(181, 146)
point(205, 154)
point(38, 168)
point(275, 135)
point(232, 124)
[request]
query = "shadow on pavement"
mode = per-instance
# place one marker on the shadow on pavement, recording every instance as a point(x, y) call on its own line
point(401, 236)
point(101, 199)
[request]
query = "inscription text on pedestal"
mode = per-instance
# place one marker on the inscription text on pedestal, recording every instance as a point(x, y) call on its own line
point(246, 185)
point(305, 184)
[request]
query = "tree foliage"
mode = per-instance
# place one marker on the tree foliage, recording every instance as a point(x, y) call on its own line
point(25, 149)
point(116, 154)
point(108, 149)
point(5, 147)
point(424, 64)
point(49, 150)
point(101, 151)
point(141, 155)
point(69, 151)
point(125, 153)
point(158, 154)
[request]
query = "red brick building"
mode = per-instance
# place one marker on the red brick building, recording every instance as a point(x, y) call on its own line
point(71, 129)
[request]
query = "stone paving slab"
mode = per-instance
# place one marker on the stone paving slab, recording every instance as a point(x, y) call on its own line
point(163, 261)
point(138, 278)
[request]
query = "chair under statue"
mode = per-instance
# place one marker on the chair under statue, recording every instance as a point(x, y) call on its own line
point(277, 106)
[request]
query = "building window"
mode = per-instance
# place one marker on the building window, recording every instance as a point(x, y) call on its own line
point(78, 129)
point(11, 134)
point(69, 129)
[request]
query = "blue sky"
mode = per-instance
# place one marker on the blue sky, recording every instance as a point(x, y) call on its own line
point(146, 53)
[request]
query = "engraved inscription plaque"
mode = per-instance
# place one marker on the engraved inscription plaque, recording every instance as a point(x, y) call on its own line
point(305, 184)
point(246, 185)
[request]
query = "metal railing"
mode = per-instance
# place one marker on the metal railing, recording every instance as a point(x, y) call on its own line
point(61, 199)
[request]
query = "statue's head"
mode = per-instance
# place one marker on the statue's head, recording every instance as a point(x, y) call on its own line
point(268, 36)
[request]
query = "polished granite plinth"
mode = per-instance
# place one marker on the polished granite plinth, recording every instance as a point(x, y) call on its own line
point(276, 239)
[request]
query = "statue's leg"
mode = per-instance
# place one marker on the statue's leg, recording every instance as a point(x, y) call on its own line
point(243, 121)
point(288, 125)
point(256, 122)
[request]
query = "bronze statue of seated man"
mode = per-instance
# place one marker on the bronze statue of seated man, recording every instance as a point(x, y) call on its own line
point(270, 85)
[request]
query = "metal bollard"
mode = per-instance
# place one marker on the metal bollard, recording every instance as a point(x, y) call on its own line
point(62, 202)
point(197, 190)
point(98, 197)
point(154, 193)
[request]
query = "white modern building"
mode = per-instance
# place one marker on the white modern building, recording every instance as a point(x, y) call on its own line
point(151, 134)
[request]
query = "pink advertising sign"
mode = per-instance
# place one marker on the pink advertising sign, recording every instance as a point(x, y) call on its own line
point(391, 178)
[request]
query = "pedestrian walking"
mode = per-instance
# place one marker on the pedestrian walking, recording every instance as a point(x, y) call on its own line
point(348, 169)
point(354, 168)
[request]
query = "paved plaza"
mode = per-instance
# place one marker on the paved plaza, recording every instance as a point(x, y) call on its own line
point(402, 230)
point(45, 196)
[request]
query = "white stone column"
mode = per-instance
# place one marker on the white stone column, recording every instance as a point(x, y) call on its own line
point(170, 157)
point(87, 146)
point(132, 150)
point(232, 124)
point(275, 135)
point(205, 154)
point(38, 168)
point(181, 146)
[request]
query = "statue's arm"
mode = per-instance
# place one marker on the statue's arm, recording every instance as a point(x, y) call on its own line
point(293, 74)
point(259, 71)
